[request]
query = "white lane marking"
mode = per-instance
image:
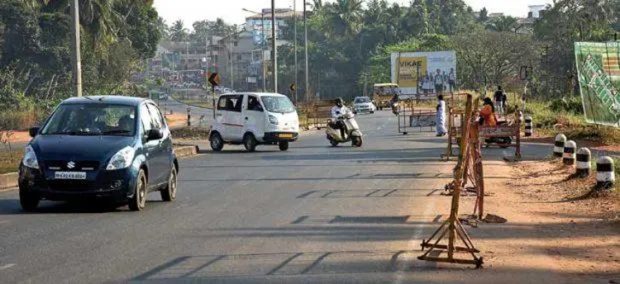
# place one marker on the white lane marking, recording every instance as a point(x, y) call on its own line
point(7, 266)
point(414, 241)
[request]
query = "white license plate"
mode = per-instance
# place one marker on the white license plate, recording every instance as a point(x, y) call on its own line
point(70, 175)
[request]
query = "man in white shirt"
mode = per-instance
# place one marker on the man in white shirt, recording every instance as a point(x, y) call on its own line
point(337, 111)
point(440, 120)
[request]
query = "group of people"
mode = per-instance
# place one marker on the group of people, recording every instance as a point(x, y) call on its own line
point(438, 82)
point(487, 115)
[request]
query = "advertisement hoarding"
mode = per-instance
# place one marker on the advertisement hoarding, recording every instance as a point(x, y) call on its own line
point(598, 71)
point(424, 72)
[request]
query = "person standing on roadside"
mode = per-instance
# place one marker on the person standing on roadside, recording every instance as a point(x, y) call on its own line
point(438, 83)
point(452, 80)
point(498, 98)
point(504, 104)
point(440, 119)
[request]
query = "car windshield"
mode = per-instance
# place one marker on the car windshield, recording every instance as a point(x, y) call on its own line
point(278, 104)
point(361, 100)
point(92, 119)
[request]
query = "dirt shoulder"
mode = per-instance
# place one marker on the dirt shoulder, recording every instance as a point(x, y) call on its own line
point(550, 229)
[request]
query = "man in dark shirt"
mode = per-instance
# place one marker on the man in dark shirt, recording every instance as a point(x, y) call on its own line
point(498, 98)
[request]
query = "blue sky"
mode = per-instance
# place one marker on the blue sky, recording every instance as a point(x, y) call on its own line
point(231, 10)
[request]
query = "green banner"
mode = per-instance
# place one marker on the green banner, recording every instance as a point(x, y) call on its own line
point(598, 68)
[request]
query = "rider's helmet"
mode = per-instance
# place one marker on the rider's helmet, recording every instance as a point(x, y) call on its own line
point(339, 102)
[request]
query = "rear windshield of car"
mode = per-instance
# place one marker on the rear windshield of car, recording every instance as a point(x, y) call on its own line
point(92, 119)
point(278, 104)
point(361, 100)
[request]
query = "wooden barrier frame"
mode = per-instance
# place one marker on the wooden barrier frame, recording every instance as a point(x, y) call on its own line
point(452, 226)
point(505, 130)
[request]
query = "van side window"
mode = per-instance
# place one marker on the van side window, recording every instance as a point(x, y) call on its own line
point(254, 104)
point(238, 100)
point(230, 103)
point(221, 104)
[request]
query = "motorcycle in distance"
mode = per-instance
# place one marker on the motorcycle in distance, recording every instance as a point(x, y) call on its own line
point(352, 132)
point(502, 142)
point(394, 107)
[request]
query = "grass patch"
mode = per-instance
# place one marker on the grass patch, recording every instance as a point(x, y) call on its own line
point(204, 103)
point(190, 133)
point(9, 161)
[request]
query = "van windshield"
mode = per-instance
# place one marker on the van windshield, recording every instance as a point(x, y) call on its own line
point(92, 119)
point(278, 104)
point(361, 100)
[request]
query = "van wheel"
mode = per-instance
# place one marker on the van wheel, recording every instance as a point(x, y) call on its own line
point(169, 193)
point(28, 200)
point(250, 142)
point(217, 143)
point(138, 201)
point(333, 142)
point(283, 145)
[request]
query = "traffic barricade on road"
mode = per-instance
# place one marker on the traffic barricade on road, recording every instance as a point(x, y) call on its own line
point(319, 112)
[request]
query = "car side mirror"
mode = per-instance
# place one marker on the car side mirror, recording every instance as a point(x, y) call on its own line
point(33, 131)
point(154, 134)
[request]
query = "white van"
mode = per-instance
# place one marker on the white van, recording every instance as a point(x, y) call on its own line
point(254, 118)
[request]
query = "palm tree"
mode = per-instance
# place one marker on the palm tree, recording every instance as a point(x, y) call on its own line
point(178, 32)
point(345, 17)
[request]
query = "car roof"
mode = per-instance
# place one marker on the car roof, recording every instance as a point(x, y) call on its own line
point(118, 100)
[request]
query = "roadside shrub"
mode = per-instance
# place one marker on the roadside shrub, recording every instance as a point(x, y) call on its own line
point(567, 104)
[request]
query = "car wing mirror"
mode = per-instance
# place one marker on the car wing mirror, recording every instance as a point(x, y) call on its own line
point(154, 134)
point(33, 131)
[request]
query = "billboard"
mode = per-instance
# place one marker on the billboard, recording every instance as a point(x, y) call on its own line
point(598, 70)
point(424, 72)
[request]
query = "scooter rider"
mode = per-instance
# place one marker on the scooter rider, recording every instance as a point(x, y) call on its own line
point(338, 111)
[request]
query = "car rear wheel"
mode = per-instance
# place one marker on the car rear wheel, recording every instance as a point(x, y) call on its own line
point(250, 142)
point(283, 145)
point(217, 143)
point(28, 200)
point(138, 201)
point(170, 192)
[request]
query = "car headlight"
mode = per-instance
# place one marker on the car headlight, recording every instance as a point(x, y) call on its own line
point(273, 119)
point(30, 158)
point(122, 159)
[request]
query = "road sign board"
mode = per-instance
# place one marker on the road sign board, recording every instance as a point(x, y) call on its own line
point(292, 87)
point(214, 79)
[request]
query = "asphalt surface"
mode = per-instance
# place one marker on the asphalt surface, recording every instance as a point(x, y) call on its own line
point(312, 214)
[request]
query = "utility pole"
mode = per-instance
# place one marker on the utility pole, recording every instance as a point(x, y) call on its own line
point(263, 51)
point(307, 87)
point(274, 59)
point(295, 46)
point(77, 57)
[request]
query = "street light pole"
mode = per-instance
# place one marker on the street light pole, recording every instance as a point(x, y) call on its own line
point(295, 47)
point(274, 59)
point(76, 58)
point(307, 87)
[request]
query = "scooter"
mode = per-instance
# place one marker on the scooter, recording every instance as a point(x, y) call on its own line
point(351, 133)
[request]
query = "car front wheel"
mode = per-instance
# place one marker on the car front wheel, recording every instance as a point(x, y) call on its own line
point(170, 192)
point(28, 200)
point(283, 145)
point(217, 143)
point(138, 201)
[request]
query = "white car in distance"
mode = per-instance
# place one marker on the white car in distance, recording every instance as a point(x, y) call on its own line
point(363, 104)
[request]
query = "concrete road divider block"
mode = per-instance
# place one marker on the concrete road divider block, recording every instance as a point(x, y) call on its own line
point(8, 180)
point(570, 149)
point(529, 129)
point(583, 162)
point(558, 149)
point(605, 174)
point(185, 151)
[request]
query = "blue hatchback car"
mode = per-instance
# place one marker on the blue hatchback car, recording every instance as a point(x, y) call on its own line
point(105, 147)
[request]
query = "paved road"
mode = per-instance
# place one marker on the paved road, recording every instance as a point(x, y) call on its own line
point(196, 112)
point(312, 214)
